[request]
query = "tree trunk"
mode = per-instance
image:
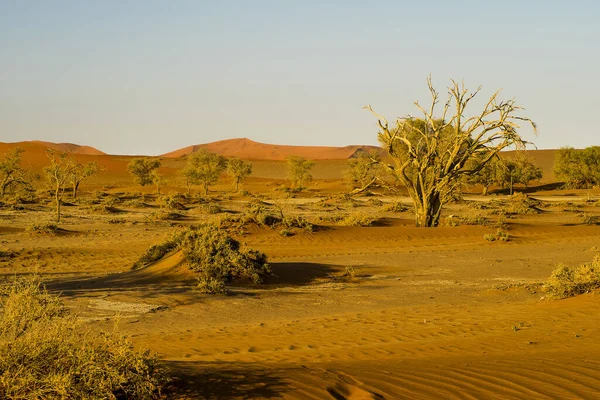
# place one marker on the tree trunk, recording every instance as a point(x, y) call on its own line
point(428, 210)
point(206, 189)
point(485, 190)
point(75, 187)
point(237, 185)
point(57, 198)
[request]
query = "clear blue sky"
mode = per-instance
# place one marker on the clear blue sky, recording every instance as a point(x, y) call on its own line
point(148, 77)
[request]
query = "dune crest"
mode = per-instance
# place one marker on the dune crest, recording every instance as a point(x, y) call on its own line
point(248, 149)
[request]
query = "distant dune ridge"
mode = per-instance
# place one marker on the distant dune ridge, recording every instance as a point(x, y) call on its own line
point(38, 145)
point(248, 149)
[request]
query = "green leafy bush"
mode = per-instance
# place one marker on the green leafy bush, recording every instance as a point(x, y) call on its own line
point(47, 354)
point(218, 258)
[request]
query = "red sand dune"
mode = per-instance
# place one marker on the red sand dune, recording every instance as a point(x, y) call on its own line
point(248, 149)
point(38, 145)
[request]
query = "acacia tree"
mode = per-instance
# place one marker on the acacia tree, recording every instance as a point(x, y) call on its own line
point(81, 172)
point(363, 170)
point(578, 168)
point(204, 168)
point(519, 169)
point(431, 154)
point(239, 170)
point(11, 172)
point(58, 174)
point(142, 169)
point(487, 176)
point(298, 169)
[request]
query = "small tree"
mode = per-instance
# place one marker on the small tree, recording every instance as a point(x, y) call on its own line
point(11, 172)
point(158, 180)
point(578, 168)
point(298, 169)
point(58, 174)
point(81, 172)
point(487, 176)
point(204, 168)
point(363, 170)
point(430, 155)
point(141, 169)
point(239, 171)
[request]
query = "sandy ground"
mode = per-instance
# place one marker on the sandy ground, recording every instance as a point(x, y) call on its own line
point(428, 313)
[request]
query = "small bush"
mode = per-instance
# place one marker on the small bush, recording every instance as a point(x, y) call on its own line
point(218, 258)
point(520, 203)
point(260, 213)
point(590, 219)
point(211, 208)
point(163, 215)
point(395, 207)
point(47, 354)
point(117, 221)
point(172, 201)
point(470, 219)
point(375, 202)
point(47, 228)
point(500, 235)
point(568, 281)
point(286, 233)
point(357, 219)
point(298, 222)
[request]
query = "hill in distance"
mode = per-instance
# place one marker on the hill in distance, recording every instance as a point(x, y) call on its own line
point(248, 149)
point(40, 146)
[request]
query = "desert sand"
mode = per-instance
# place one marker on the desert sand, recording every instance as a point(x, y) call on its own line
point(436, 313)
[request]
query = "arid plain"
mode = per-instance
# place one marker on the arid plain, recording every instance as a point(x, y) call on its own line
point(350, 312)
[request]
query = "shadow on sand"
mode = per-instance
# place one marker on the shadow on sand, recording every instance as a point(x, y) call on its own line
point(193, 380)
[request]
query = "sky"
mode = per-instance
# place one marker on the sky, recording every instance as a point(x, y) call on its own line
point(148, 77)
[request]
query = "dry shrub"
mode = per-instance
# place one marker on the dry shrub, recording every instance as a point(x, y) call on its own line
point(218, 258)
point(469, 219)
point(357, 219)
point(172, 201)
point(298, 222)
point(46, 228)
point(163, 215)
point(211, 208)
point(261, 213)
point(396, 207)
point(47, 354)
point(134, 203)
point(590, 219)
point(115, 221)
point(568, 281)
point(499, 235)
point(520, 203)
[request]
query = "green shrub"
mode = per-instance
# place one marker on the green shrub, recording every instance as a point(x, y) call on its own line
point(218, 258)
point(261, 213)
point(298, 222)
point(568, 281)
point(47, 354)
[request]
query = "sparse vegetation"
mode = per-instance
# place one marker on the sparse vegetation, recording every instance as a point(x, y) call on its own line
point(45, 353)
point(11, 172)
point(567, 281)
point(41, 228)
point(204, 168)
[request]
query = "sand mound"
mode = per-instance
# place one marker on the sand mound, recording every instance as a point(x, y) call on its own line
point(248, 149)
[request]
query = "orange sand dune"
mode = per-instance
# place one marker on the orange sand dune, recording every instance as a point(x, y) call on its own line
point(41, 145)
point(248, 149)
